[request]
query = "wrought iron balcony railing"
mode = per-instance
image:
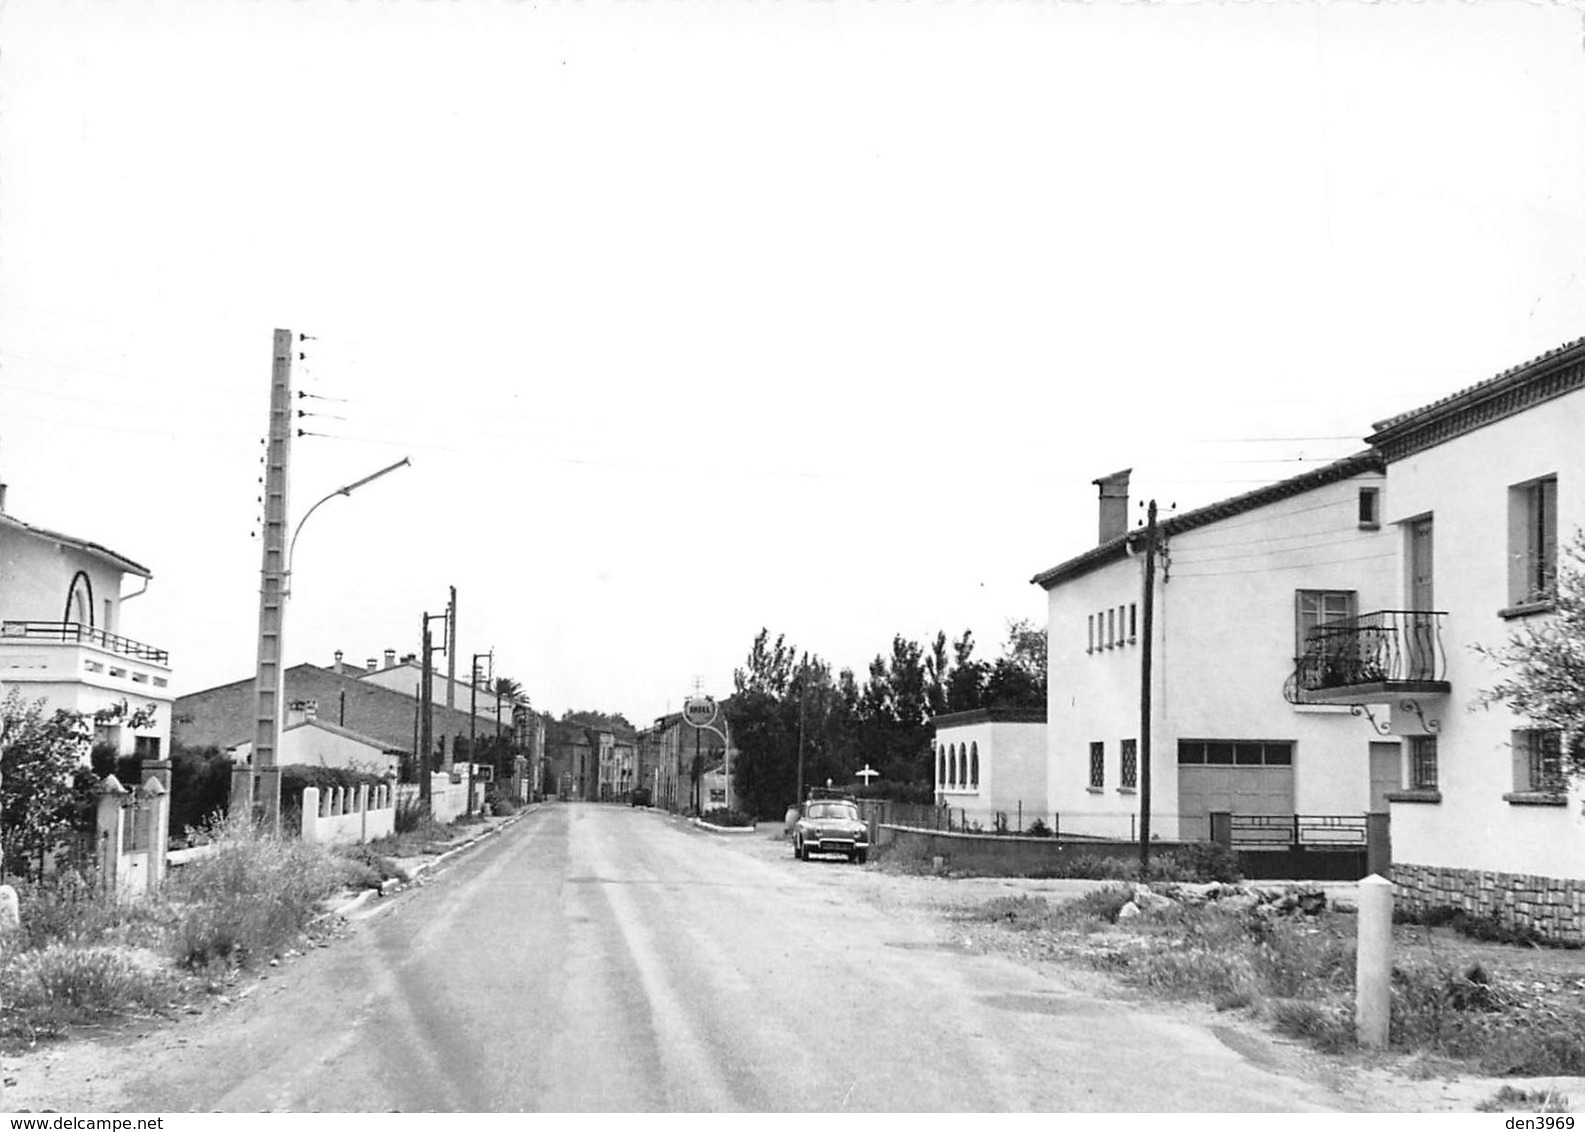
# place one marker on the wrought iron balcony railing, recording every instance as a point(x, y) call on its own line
point(1391, 650)
point(72, 632)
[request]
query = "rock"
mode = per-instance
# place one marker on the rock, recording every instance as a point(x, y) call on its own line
point(10, 913)
point(1153, 902)
point(1128, 911)
point(1195, 895)
point(1345, 904)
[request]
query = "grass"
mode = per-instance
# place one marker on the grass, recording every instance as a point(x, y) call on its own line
point(1297, 973)
point(1510, 1099)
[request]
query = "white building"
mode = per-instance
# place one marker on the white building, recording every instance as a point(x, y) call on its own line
point(991, 764)
point(310, 741)
point(1238, 586)
point(1484, 486)
point(60, 641)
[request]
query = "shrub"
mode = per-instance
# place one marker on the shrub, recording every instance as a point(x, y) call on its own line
point(1025, 913)
point(1038, 828)
point(69, 907)
point(410, 813)
point(1328, 1028)
point(250, 896)
point(1208, 861)
point(500, 801)
point(726, 818)
point(62, 983)
point(1101, 904)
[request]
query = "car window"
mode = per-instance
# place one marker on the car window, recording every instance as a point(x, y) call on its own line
point(833, 810)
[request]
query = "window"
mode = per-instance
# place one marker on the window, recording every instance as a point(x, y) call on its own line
point(1133, 630)
point(963, 767)
point(952, 765)
point(1422, 762)
point(974, 765)
point(1111, 628)
point(1532, 541)
point(1315, 608)
point(1130, 768)
point(1369, 508)
point(1090, 621)
point(1538, 761)
point(1097, 765)
point(941, 766)
point(1243, 752)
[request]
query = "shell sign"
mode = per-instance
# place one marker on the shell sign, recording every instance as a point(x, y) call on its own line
point(698, 711)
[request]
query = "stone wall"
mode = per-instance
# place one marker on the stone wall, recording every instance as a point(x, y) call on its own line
point(1552, 907)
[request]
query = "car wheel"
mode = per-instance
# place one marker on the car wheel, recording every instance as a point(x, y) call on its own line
point(861, 856)
point(798, 850)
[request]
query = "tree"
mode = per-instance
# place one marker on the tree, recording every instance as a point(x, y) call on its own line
point(45, 781)
point(506, 691)
point(38, 754)
point(1544, 662)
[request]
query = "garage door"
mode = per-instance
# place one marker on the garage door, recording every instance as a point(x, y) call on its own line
point(1238, 776)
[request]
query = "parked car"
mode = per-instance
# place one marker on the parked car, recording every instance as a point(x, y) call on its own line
point(831, 824)
point(639, 796)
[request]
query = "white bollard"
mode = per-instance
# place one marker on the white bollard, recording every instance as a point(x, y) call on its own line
point(1373, 964)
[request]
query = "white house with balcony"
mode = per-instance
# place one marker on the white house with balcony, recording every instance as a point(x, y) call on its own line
point(60, 640)
point(1238, 587)
point(1485, 485)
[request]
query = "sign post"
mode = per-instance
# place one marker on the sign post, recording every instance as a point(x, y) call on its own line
point(699, 712)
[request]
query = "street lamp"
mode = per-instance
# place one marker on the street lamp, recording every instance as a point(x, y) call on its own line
point(347, 490)
point(277, 583)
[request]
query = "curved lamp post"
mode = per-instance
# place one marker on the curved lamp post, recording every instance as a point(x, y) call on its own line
point(347, 490)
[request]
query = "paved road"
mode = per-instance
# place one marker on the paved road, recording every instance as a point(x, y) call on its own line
point(603, 958)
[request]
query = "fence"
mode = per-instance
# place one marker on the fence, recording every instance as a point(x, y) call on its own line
point(448, 800)
point(343, 815)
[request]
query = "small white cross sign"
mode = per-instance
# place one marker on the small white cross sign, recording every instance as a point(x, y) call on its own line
point(866, 774)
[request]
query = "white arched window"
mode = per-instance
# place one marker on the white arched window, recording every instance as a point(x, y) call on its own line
point(974, 765)
point(952, 765)
point(941, 765)
point(963, 765)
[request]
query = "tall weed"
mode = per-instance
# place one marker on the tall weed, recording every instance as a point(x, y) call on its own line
point(249, 897)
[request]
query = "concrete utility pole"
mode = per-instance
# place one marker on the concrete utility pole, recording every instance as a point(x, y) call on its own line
point(1145, 659)
point(427, 706)
point(451, 673)
point(261, 783)
point(473, 720)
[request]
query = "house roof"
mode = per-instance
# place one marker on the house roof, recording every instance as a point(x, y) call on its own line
point(989, 715)
point(1552, 374)
point(348, 733)
point(1133, 541)
point(104, 552)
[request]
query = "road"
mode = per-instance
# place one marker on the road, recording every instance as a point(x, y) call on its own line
point(604, 958)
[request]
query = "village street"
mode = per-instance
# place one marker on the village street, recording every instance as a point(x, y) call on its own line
point(605, 958)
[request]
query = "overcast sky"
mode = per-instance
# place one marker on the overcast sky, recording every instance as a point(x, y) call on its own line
point(697, 317)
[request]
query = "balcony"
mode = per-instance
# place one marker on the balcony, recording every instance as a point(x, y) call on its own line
point(81, 661)
point(1373, 658)
point(71, 632)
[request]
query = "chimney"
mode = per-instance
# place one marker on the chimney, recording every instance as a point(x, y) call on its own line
point(301, 711)
point(2, 498)
point(390, 658)
point(1114, 504)
point(372, 665)
point(410, 658)
point(337, 665)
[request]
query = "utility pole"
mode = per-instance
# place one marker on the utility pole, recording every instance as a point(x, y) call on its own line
point(1145, 658)
point(473, 720)
point(261, 782)
point(427, 705)
point(451, 673)
point(803, 673)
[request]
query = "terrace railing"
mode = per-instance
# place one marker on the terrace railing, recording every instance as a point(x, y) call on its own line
point(73, 632)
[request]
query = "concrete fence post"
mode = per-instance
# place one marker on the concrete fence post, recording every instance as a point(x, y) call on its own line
point(310, 809)
point(1373, 963)
point(1378, 844)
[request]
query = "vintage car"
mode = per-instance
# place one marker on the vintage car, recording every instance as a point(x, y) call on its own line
point(831, 825)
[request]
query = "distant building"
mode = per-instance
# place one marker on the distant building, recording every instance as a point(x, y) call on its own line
point(990, 763)
point(307, 740)
point(222, 716)
point(60, 616)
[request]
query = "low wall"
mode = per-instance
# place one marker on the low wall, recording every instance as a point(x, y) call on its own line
point(1012, 855)
point(1003, 854)
point(343, 816)
point(1552, 907)
point(448, 800)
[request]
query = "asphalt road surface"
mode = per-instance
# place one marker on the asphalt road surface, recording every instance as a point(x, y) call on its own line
point(604, 958)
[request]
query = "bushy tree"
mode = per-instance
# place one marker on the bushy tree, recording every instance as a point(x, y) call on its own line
point(1543, 662)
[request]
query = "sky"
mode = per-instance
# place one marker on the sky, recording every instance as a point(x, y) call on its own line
point(701, 316)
